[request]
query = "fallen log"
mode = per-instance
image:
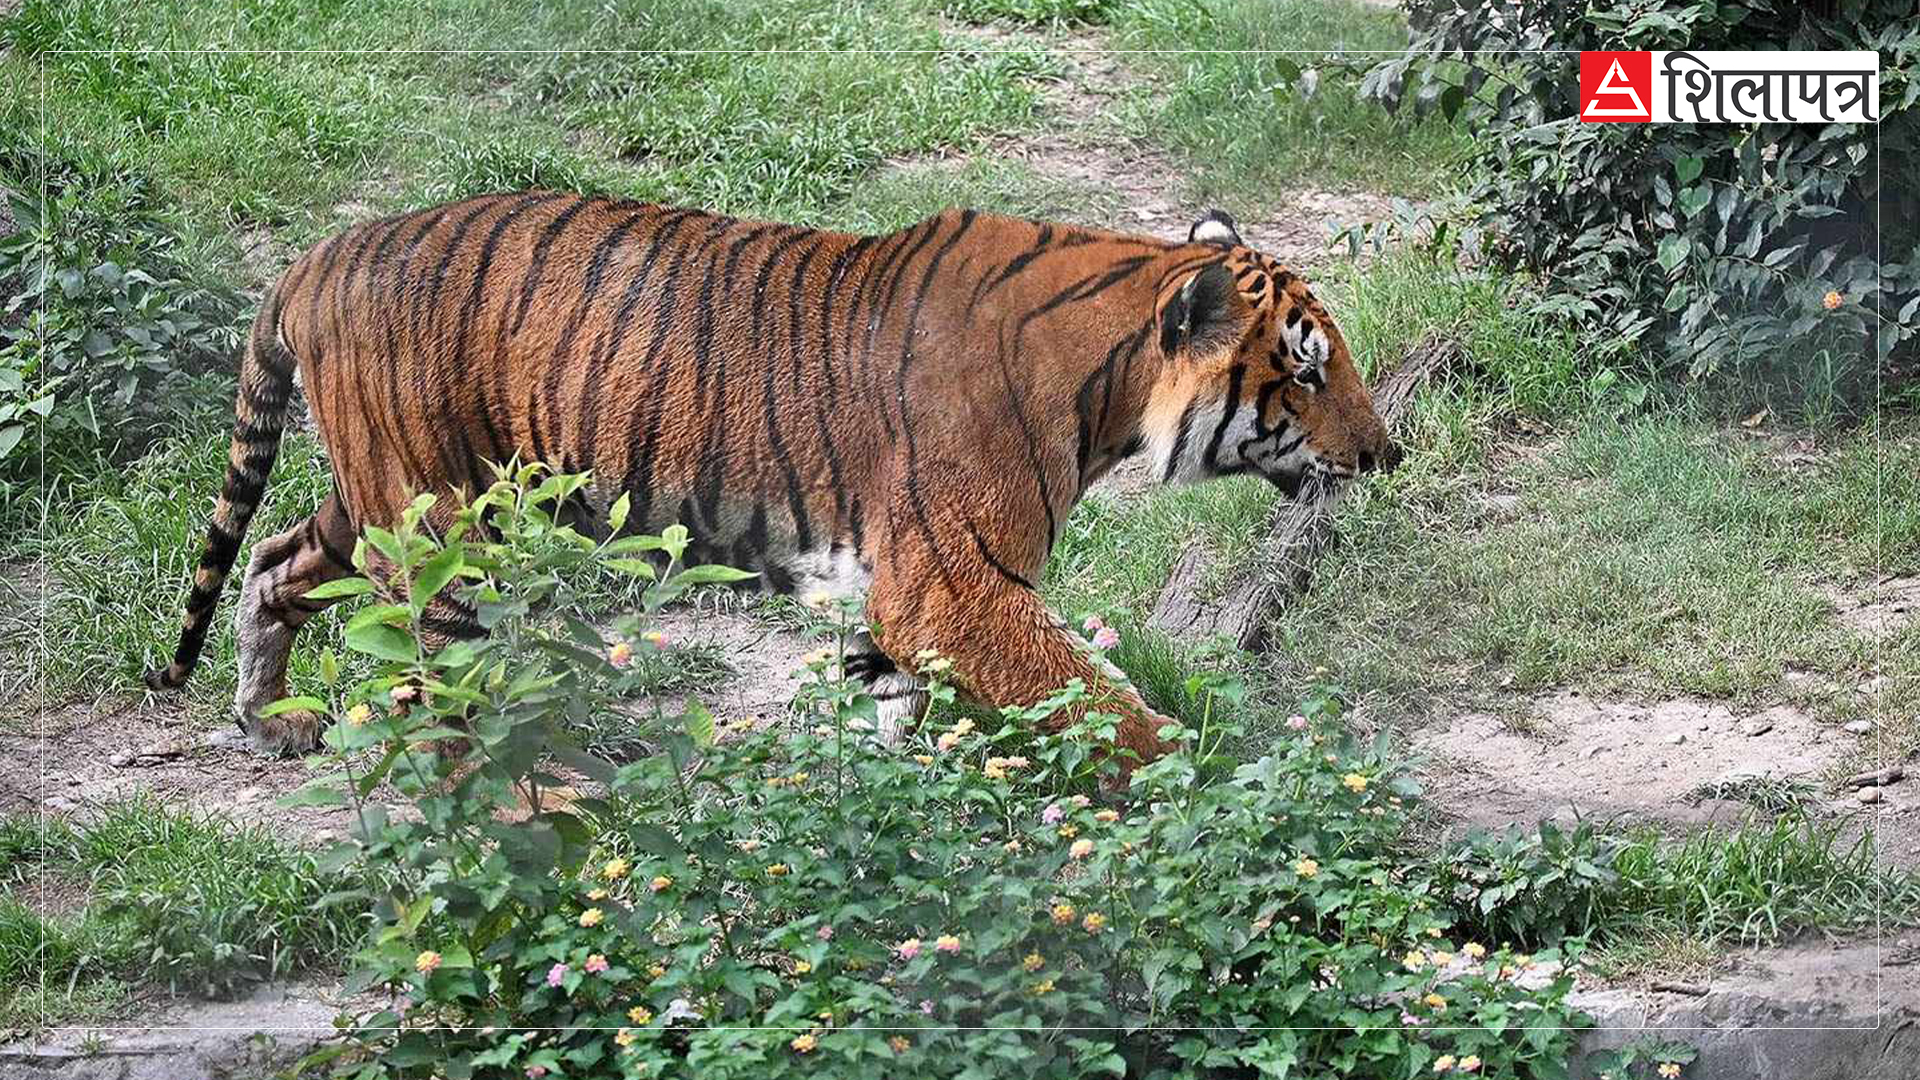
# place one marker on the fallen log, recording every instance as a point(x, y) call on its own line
point(1296, 535)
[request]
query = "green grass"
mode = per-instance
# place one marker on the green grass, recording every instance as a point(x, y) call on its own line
point(118, 559)
point(701, 111)
point(1760, 882)
point(1032, 12)
point(1245, 139)
point(191, 902)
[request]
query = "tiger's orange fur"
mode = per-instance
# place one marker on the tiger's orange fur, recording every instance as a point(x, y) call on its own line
point(911, 415)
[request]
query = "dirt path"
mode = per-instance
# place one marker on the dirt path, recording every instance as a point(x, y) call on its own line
point(1082, 140)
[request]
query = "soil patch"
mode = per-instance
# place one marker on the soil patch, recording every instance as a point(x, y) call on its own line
point(252, 1036)
point(768, 658)
point(83, 757)
point(1880, 609)
point(1569, 755)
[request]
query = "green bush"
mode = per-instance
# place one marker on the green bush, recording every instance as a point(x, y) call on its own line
point(764, 903)
point(106, 336)
point(1721, 247)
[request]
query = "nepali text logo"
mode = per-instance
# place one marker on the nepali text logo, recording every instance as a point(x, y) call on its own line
point(1789, 87)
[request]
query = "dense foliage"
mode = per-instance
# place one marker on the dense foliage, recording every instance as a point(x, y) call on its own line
point(104, 329)
point(1784, 247)
point(761, 903)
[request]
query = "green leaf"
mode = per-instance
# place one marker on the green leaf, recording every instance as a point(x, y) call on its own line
point(1688, 169)
point(1695, 199)
point(617, 516)
point(379, 615)
point(435, 575)
point(698, 723)
point(343, 587)
point(636, 567)
point(290, 704)
point(1672, 252)
point(704, 575)
point(382, 641)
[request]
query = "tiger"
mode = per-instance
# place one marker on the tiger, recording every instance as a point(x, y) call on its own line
point(906, 417)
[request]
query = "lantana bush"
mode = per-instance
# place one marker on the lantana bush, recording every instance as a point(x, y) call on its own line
point(807, 899)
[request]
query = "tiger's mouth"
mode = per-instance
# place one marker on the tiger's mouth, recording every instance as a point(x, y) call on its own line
point(1308, 482)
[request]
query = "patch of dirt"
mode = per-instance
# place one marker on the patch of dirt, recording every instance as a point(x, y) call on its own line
point(1595, 758)
point(267, 1030)
point(1085, 147)
point(1880, 609)
point(264, 255)
point(80, 758)
point(767, 658)
point(49, 895)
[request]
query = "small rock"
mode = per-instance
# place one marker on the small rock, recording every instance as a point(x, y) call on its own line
point(1858, 727)
point(1594, 750)
point(1704, 726)
point(1869, 795)
point(1757, 725)
point(1676, 738)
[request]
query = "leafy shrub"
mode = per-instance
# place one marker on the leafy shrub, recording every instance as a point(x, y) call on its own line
point(106, 335)
point(1534, 887)
point(1720, 246)
point(812, 901)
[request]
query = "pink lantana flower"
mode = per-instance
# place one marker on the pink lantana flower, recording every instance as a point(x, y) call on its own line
point(1106, 638)
point(556, 974)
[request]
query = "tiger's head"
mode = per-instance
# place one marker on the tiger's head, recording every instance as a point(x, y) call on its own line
point(1257, 378)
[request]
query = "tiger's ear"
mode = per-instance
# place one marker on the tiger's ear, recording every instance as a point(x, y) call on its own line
point(1215, 228)
point(1204, 313)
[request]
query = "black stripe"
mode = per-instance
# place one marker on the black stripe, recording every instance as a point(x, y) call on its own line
point(547, 390)
point(454, 458)
point(399, 288)
point(499, 449)
point(967, 218)
point(1041, 243)
point(980, 544)
point(639, 478)
point(664, 231)
point(796, 502)
point(713, 456)
point(1179, 441)
point(795, 343)
point(537, 265)
point(1235, 376)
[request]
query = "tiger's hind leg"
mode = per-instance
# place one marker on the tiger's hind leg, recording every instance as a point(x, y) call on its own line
point(273, 607)
point(900, 697)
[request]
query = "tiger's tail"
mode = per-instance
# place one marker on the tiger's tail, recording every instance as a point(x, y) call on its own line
point(260, 415)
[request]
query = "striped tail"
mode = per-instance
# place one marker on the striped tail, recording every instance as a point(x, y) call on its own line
point(260, 414)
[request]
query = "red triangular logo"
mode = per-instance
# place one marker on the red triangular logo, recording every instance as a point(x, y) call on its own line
point(1615, 85)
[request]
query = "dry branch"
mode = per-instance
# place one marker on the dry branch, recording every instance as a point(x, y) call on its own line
point(1295, 537)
